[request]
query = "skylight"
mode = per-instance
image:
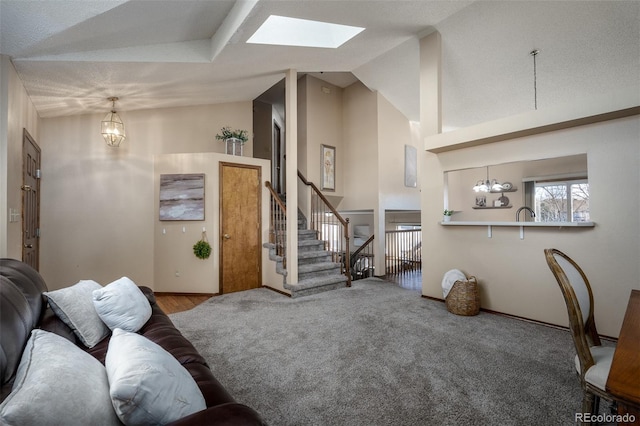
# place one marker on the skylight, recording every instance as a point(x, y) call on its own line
point(285, 31)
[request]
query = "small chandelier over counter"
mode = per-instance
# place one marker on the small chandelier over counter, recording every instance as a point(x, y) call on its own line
point(112, 126)
point(488, 185)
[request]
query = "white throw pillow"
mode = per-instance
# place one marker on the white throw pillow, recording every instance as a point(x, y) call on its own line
point(74, 306)
point(147, 384)
point(58, 383)
point(121, 304)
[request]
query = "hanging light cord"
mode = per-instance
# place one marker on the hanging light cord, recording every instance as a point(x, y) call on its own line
point(534, 53)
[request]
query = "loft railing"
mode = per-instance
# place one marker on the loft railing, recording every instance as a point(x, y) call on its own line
point(278, 224)
point(403, 251)
point(331, 228)
point(362, 260)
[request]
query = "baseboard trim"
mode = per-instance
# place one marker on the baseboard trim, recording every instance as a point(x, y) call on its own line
point(175, 293)
point(276, 290)
point(517, 317)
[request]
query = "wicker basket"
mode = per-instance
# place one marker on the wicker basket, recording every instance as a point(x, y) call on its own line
point(464, 298)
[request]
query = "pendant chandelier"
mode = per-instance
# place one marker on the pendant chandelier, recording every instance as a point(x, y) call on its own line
point(487, 185)
point(112, 126)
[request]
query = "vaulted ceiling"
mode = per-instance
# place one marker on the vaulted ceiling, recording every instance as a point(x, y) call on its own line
point(73, 54)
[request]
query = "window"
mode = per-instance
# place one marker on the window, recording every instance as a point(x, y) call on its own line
point(562, 201)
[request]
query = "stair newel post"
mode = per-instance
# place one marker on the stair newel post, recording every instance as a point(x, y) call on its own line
point(347, 253)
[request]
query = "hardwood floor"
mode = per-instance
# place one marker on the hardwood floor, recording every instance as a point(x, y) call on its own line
point(411, 280)
point(171, 303)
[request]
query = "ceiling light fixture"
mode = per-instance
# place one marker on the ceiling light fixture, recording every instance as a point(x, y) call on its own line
point(285, 31)
point(488, 185)
point(112, 126)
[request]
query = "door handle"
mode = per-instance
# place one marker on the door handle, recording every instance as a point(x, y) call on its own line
point(227, 236)
point(28, 246)
point(26, 187)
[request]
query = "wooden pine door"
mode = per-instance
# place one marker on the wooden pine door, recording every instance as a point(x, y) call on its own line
point(240, 254)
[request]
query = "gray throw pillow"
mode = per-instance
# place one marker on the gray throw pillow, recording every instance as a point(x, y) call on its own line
point(74, 306)
point(58, 383)
point(147, 384)
point(121, 304)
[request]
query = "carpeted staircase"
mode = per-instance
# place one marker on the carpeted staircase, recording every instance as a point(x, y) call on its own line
point(316, 270)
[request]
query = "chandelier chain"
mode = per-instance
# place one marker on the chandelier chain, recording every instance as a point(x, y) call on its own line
point(534, 53)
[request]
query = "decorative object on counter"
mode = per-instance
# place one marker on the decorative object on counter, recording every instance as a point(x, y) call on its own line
point(488, 185)
point(202, 249)
point(112, 126)
point(234, 140)
point(447, 215)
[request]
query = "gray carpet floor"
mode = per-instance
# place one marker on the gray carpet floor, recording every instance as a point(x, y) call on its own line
point(377, 354)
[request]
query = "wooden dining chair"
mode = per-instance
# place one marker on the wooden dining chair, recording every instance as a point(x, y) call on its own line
point(593, 361)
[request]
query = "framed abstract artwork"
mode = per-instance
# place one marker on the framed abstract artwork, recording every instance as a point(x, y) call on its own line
point(182, 196)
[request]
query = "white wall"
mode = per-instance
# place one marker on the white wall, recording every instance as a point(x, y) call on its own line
point(98, 206)
point(513, 274)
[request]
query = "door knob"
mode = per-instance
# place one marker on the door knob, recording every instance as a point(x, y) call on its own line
point(227, 236)
point(28, 246)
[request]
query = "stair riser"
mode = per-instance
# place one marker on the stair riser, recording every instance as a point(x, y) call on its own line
point(310, 247)
point(315, 259)
point(321, 273)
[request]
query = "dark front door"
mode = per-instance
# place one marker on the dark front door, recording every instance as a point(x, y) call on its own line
point(30, 201)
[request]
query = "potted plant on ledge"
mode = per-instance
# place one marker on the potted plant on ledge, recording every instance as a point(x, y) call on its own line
point(447, 215)
point(234, 139)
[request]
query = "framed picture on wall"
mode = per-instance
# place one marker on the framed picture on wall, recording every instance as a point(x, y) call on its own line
point(328, 167)
point(182, 196)
point(410, 166)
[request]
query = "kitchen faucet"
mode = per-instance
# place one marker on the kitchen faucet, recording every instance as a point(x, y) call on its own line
point(531, 212)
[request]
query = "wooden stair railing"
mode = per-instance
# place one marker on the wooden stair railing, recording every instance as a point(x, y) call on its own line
point(331, 227)
point(362, 260)
point(403, 251)
point(278, 224)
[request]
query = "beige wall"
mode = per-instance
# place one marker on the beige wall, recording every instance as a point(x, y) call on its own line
point(18, 113)
point(513, 274)
point(98, 205)
point(322, 118)
point(360, 148)
point(394, 132)
point(176, 269)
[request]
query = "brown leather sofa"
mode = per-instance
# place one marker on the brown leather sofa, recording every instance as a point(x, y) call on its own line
point(23, 308)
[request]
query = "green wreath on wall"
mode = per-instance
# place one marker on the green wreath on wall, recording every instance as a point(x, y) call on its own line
point(202, 249)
